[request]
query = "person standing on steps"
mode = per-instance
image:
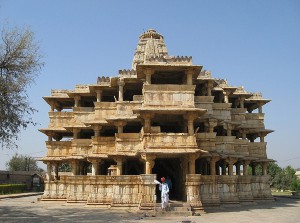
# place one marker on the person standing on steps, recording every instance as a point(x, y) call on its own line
point(164, 188)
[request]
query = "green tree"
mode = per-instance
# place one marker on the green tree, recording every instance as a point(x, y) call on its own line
point(273, 170)
point(20, 62)
point(22, 163)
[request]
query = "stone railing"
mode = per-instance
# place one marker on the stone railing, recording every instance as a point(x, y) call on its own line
point(128, 142)
point(103, 145)
point(60, 119)
point(205, 102)
point(138, 98)
point(127, 73)
point(81, 146)
point(105, 110)
point(241, 147)
point(126, 108)
point(257, 149)
point(255, 120)
point(169, 95)
point(58, 148)
point(225, 144)
point(82, 88)
point(173, 141)
point(83, 114)
point(238, 115)
point(222, 111)
point(206, 141)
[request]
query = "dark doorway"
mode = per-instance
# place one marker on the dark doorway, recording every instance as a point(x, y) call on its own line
point(170, 167)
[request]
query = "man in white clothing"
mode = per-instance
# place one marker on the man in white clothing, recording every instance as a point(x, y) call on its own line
point(163, 187)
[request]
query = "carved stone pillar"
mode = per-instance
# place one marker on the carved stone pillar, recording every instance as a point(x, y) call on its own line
point(76, 133)
point(147, 122)
point(192, 159)
point(262, 137)
point(49, 167)
point(209, 86)
point(245, 167)
point(95, 167)
point(99, 95)
point(230, 162)
point(119, 161)
point(229, 128)
point(260, 110)
point(77, 100)
point(74, 164)
point(149, 162)
point(238, 168)
point(212, 163)
point(120, 125)
point(52, 106)
point(121, 89)
point(189, 77)
point(242, 100)
point(56, 164)
point(224, 165)
point(212, 123)
point(264, 168)
point(148, 73)
point(97, 129)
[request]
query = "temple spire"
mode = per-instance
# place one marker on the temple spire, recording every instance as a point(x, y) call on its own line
point(151, 45)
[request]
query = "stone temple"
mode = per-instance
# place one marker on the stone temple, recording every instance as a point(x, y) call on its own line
point(164, 117)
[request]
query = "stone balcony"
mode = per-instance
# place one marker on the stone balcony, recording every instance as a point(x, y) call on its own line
point(205, 102)
point(58, 148)
point(81, 147)
point(238, 115)
point(255, 120)
point(170, 142)
point(206, 141)
point(257, 149)
point(105, 110)
point(225, 144)
point(128, 142)
point(125, 108)
point(60, 119)
point(101, 146)
point(222, 111)
point(169, 95)
point(241, 147)
point(83, 114)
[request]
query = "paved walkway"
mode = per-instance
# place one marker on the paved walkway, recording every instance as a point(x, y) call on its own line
point(27, 209)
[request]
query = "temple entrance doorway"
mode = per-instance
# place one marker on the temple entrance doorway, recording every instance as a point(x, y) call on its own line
point(170, 167)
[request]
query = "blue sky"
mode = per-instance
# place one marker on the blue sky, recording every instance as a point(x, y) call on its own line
point(255, 44)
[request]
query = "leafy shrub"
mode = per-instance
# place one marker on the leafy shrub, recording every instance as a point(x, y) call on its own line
point(12, 188)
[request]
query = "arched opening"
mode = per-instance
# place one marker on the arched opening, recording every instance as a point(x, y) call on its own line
point(170, 167)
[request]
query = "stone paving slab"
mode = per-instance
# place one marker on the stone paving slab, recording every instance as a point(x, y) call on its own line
point(28, 209)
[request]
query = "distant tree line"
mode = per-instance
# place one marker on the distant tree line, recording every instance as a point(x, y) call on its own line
point(23, 163)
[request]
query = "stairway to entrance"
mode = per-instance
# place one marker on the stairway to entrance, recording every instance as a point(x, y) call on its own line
point(177, 208)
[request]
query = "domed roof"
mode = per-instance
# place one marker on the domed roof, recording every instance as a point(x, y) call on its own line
point(151, 45)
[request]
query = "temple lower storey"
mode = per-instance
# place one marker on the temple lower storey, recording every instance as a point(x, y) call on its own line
point(140, 191)
point(108, 142)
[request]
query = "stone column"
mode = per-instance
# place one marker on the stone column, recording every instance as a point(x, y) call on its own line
point(238, 168)
point(56, 164)
point(97, 129)
point(245, 167)
point(52, 106)
point(95, 167)
point(189, 77)
point(48, 176)
point(99, 95)
point(190, 117)
point(226, 94)
point(224, 164)
point(209, 86)
point(229, 128)
point(262, 137)
point(74, 164)
point(120, 125)
point(121, 89)
point(50, 138)
point(192, 159)
point(77, 100)
point(148, 73)
point(230, 161)
point(244, 136)
point(119, 162)
point(212, 123)
point(242, 99)
point(149, 162)
point(264, 168)
point(147, 124)
point(213, 161)
point(260, 110)
point(76, 133)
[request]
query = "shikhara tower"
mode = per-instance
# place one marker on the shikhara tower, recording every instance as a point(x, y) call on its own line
point(164, 117)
